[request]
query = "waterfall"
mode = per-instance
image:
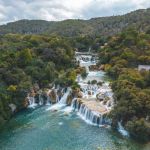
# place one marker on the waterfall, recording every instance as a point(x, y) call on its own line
point(63, 99)
point(78, 78)
point(62, 102)
point(41, 101)
point(57, 97)
point(122, 130)
point(48, 102)
point(87, 69)
point(89, 49)
point(89, 116)
point(32, 103)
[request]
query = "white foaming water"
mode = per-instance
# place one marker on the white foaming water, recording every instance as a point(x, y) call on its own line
point(87, 69)
point(90, 92)
point(96, 73)
point(48, 102)
point(31, 101)
point(90, 117)
point(41, 101)
point(60, 123)
point(55, 90)
point(122, 130)
point(59, 103)
point(67, 110)
point(33, 104)
point(62, 103)
point(64, 98)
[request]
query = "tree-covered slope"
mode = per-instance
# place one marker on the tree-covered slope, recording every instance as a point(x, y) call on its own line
point(131, 86)
point(26, 60)
point(103, 26)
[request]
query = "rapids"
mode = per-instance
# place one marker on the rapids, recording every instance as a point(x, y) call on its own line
point(90, 109)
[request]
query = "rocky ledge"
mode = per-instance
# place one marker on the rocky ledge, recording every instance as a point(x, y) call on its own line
point(94, 105)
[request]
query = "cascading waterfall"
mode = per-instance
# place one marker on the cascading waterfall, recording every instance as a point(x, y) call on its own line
point(87, 69)
point(64, 97)
point(89, 116)
point(92, 114)
point(31, 101)
point(88, 91)
point(48, 101)
point(122, 130)
point(61, 98)
point(41, 101)
point(57, 97)
point(62, 102)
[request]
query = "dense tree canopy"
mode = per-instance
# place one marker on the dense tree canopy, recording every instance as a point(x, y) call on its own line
point(29, 59)
point(131, 87)
point(104, 26)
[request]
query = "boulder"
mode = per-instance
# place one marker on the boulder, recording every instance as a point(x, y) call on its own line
point(60, 93)
point(93, 67)
point(69, 99)
point(109, 104)
point(102, 67)
point(32, 93)
point(77, 93)
point(89, 93)
point(25, 102)
point(36, 87)
point(100, 97)
point(53, 96)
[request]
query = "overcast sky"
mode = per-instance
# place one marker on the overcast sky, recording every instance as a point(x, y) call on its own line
point(12, 10)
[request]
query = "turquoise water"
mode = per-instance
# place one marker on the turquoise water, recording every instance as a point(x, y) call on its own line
point(38, 129)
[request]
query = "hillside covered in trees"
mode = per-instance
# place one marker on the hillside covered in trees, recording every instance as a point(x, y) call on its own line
point(26, 60)
point(104, 26)
point(131, 86)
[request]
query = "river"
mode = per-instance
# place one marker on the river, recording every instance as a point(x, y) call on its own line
point(44, 128)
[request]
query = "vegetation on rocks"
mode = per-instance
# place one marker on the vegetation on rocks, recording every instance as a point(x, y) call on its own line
point(84, 73)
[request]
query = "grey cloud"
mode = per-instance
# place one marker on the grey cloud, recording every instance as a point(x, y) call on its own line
point(11, 10)
point(118, 7)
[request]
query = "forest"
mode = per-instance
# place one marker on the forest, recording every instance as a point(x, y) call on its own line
point(121, 56)
point(104, 26)
point(26, 60)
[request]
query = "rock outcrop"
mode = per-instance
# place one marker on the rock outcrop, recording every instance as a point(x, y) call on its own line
point(53, 96)
point(77, 93)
